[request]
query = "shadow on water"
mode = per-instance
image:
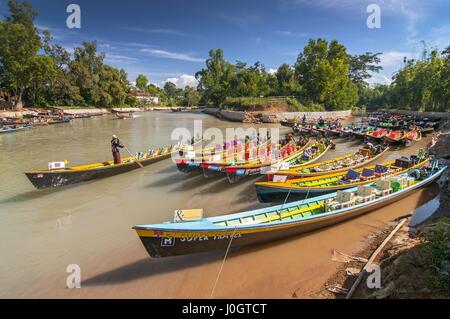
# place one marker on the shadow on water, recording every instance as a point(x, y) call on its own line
point(35, 194)
point(173, 178)
point(149, 267)
point(168, 169)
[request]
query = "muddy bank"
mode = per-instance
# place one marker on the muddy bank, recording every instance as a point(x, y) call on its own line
point(416, 261)
point(440, 147)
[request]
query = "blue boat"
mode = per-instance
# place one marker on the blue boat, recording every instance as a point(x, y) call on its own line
point(193, 234)
point(10, 129)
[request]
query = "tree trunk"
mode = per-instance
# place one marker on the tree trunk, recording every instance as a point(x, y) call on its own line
point(18, 105)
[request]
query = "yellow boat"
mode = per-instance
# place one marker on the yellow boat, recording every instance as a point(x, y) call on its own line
point(356, 160)
point(70, 175)
point(237, 172)
point(281, 187)
point(216, 166)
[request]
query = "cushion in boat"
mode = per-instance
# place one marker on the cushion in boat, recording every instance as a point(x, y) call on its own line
point(368, 172)
point(352, 174)
point(381, 169)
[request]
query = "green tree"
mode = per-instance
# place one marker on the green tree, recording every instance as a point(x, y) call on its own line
point(141, 82)
point(19, 45)
point(191, 96)
point(170, 89)
point(362, 66)
point(215, 79)
point(323, 71)
point(286, 81)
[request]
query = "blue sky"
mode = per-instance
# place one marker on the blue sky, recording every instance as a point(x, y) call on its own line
point(169, 39)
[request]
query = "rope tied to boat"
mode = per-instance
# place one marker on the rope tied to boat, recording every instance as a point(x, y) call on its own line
point(223, 263)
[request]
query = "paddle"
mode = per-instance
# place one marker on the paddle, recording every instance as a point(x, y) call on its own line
point(135, 159)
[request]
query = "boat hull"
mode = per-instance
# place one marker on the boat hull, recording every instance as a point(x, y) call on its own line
point(270, 192)
point(189, 242)
point(188, 168)
point(51, 179)
point(213, 170)
point(267, 194)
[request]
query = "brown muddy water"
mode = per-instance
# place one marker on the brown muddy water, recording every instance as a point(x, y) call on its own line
point(89, 224)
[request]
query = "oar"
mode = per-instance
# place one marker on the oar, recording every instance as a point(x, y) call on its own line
point(135, 159)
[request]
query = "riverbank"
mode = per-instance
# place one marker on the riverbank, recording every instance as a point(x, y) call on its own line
point(416, 262)
point(271, 116)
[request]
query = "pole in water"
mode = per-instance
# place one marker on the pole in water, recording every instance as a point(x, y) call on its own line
point(135, 159)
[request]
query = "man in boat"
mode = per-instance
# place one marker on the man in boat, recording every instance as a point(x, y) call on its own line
point(321, 122)
point(115, 148)
point(304, 119)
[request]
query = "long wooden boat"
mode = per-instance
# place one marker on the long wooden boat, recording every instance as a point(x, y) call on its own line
point(300, 187)
point(70, 175)
point(9, 129)
point(59, 121)
point(123, 115)
point(238, 172)
point(191, 161)
point(377, 133)
point(334, 131)
point(351, 161)
point(413, 135)
point(182, 237)
point(398, 137)
point(394, 136)
point(217, 167)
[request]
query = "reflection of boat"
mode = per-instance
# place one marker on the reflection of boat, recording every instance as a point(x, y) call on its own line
point(191, 233)
point(71, 175)
point(268, 191)
point(351, 161)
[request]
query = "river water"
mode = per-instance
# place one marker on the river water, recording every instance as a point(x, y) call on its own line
point(89, 224)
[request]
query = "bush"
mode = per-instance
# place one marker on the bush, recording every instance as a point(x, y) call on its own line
point(437, 246)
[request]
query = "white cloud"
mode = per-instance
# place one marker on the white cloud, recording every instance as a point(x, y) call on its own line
point(117, 58)
point(158, 31)
point(391, 61)
point(183, 80)
point(291, 34)
point(272, 71)
point(393, 58)
point(378, 78)
point(171, 55)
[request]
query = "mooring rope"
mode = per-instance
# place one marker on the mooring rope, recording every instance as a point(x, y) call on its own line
point(223, 263)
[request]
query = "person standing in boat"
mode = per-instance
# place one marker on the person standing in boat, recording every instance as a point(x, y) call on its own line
point(115, 148)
